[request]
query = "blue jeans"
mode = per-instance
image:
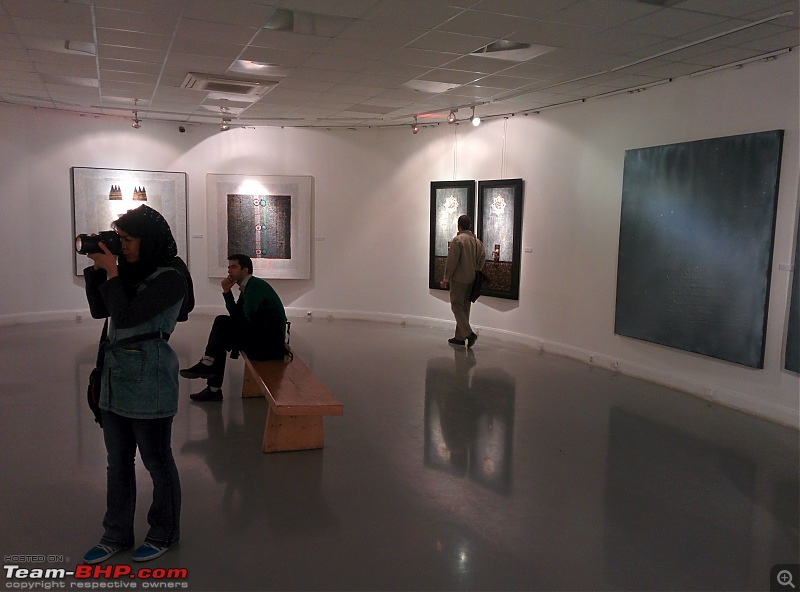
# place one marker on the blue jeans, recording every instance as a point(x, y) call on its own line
point(122, 436)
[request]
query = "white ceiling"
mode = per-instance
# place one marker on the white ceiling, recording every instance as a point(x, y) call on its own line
point(353, 63)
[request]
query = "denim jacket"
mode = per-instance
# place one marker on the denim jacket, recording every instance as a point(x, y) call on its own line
point(140, 380)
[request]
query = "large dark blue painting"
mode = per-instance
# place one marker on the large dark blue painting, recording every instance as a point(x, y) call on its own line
point(695, 248)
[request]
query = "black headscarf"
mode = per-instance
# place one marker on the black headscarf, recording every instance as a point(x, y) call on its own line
point(157, 247)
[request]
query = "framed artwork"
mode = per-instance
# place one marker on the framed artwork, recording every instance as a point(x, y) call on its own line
point(449, 200)
point(499, 227)
point(100, 196)
point(267, 218)
point(697, 228)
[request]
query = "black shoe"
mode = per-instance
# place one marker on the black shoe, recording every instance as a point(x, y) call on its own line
point(473, 337)
point(455, 341)
point(199, 370)
point(207, 395)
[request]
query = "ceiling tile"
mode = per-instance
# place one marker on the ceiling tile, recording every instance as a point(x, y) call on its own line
point(537, 9)
point(412, 13)
point(483, 24)
point(285, 40)
point(451, 42)
point(115, 52)
point(133, 39)
point(54, 29)
point(127, 20)
point(232, 12)
point(79, 14)
point(202, 31)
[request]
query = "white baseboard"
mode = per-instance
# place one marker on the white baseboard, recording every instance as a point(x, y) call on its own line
point(721, 396)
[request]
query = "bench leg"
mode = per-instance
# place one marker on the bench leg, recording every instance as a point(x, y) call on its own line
point(250, 387)
point(292, 432)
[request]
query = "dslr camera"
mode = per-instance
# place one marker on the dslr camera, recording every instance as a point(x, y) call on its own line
point(86, 244)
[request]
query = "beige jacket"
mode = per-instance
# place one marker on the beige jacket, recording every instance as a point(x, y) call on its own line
point(466, 254)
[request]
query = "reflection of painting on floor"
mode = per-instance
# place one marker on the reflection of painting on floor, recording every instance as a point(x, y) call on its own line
point(260, 225)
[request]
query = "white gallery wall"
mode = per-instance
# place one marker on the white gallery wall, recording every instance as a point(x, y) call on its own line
point(371, 215)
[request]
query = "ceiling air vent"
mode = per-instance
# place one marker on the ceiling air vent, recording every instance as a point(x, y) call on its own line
point(221, 84)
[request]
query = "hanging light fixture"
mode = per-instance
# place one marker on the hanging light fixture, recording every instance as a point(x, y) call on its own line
point(225, 124)
point(476, 121)
point(415, 127)
point(136, 123)
point(452, 117)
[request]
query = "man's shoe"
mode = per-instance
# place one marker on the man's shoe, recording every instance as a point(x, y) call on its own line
point(207, 395)
point(454, 341)
point(199, 370)
point(100, 552)
point(148, 552)
point(473, 337)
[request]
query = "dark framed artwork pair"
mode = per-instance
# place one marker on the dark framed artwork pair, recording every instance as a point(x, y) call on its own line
point(498, 225)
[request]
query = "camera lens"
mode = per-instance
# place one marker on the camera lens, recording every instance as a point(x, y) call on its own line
point(86, 244)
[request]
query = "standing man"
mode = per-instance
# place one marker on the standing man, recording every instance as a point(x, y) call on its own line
point(256, 324)
point(465, 257)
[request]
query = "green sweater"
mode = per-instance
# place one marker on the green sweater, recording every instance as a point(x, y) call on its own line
point(257, 294)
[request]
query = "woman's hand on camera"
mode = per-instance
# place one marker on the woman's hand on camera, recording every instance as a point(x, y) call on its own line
point(105, 260)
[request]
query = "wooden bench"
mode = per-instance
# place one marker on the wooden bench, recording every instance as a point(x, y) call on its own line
point(298, 401)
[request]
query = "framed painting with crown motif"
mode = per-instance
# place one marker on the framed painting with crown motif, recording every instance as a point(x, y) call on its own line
point(100, 196)
point(499, 228)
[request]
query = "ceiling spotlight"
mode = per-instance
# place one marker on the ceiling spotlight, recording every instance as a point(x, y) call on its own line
point(415, 127)
point(452, 117)
point(476, 121)
point(136, 123)
point(224, 125)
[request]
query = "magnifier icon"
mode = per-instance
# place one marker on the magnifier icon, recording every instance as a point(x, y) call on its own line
point(784, 578)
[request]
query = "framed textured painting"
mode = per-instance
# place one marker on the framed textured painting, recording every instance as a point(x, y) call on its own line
point(100, 196)
point(449, 200)
point(697, 228)
point(267, 218)
point(499, 227)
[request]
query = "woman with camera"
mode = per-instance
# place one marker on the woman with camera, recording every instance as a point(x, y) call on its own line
point(144, 292)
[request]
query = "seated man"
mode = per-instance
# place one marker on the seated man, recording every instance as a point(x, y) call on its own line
point(256, 325)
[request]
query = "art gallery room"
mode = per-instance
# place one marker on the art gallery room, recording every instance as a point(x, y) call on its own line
point(629, 415)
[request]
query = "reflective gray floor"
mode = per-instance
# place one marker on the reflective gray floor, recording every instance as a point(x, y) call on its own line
point(495, 469)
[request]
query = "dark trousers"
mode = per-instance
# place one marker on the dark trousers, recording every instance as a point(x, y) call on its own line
point(262, 341)
point(152, 437)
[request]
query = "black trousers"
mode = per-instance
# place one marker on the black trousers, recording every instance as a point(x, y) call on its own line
point(263, 340)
